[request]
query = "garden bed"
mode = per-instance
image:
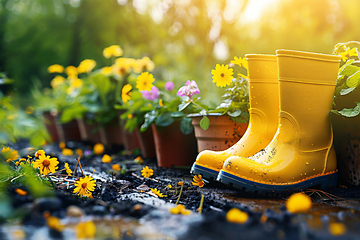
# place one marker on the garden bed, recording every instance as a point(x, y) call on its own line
point(123, 206)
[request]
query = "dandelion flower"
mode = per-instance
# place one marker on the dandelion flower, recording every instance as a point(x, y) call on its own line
point(98, 148)
point(235, 215)
point(337, 229)
point(9, 154)
point(106, 159)
point(113, 50)
point(84, 186)
point(67, 169)
point(197, 181)
point(126, 93)
point(222, 75)
point(157, 192)
point(116, 168)
point(144, 81)
point(39, 153)
point(55, 68)
point(71, 71)
point(146, 172)
point(46, 164)
point(86, 66)
point(67, 152)
point(139, 160)
point(298, 203)
point(348, 53)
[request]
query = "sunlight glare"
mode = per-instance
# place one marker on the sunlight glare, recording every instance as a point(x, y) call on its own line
point(255, 8)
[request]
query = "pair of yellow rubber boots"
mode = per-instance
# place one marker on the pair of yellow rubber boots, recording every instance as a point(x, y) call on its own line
point(289, 142)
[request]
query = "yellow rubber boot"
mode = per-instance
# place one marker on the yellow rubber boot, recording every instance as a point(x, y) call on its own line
point(301, 154)
point(263, 122)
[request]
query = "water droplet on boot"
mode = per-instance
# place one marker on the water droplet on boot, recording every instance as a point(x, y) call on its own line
point(313, 169)
point(307, 163)
point(305, 174)
point(237, 168)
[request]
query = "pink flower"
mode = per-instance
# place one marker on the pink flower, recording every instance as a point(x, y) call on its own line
point(169, 86)
point(189, 90)
point(152, 94)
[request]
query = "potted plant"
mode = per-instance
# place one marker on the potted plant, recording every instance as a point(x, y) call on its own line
point(345, 117)
point(220, 128)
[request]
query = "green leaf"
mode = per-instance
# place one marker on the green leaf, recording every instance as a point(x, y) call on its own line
point(185, 126)
point(346, 91)
point(349, 70)
point(149, 119)
point(343, 66)
point(75, 110)
point(177, 114)
point(236, 113)
point(183, 105)
point(353, 80)
point(351, 112)
point(103, 85)
point(205, 123)
point(164, 119)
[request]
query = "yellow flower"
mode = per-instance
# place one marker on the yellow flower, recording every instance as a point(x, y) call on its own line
point(57, 81)
point(29, 109)
point(75, 83)
point(139, 160)
point(144, 81)
point(222, 75)
point(126, 94)
point(86, 230)
point(46, 164)
point(67, 152)
point(180, 209)
point(62, 145)
point(113, 50)
point(146, 172)
point(71, 71)
point(67, 169)
point(79, 152)
point(161, 104)
point(98, 148)
point(107, 71)
point(9, 154)
point(39, 153)
point(197, 181)
point(55, 223)
point(84, 186)
point(235, 215)
point(169, 186)
point(298, 203)
point(20, 192)
point(106, 159)
point(122, 66)
point(337, 229)
point(157, 192)
point(348, 53)
point(129, 116)
point(116, 167)
point(180, 183)
point(144, 64)
point(86, 66)
point(240, 61)
point(55, 68)
point(20, 161)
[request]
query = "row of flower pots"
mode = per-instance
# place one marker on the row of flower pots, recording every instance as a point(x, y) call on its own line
point(168, 144)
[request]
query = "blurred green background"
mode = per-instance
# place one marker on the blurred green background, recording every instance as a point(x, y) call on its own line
point(185, 38)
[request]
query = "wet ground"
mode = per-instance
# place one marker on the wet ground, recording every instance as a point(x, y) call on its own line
point(123, 207)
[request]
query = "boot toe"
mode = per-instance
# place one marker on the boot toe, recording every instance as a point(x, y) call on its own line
point(211, 159)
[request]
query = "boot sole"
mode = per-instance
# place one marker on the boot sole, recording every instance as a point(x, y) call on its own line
point(324, 182)
point(206, 173)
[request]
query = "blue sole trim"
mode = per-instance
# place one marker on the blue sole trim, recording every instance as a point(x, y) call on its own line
point(206, 173)
point(325, 182)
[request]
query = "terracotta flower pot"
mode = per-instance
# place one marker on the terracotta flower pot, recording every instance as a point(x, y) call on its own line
point(50, 124)
point(146, 140)
point(222, 133)
point(91, 132)
point(68, 131)
point(129, 140)
point(173, 148)
point(113, 133)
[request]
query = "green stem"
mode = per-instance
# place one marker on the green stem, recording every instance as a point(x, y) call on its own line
point(177, 201)
point(118, 91)
point(201, 204)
